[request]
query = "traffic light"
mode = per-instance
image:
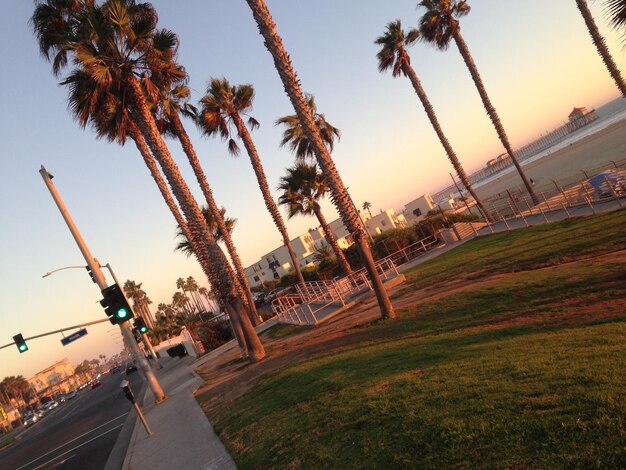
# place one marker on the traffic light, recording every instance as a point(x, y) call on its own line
point(20, 343)
point(141, 325)
point(136, 335)
point(115, 305)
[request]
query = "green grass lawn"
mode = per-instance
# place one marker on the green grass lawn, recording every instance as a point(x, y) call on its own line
point(529, 248)
point(523, 371)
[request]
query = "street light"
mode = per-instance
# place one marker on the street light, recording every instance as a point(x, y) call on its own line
point(61, 269)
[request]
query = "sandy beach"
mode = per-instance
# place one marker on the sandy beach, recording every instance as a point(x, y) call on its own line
point(566, 165)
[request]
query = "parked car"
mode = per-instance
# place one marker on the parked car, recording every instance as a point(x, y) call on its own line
point(30, 419)
point(95, 383)
point(70, 395)
point(130, 367)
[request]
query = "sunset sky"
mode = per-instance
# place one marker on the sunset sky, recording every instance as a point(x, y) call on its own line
point(536, 59)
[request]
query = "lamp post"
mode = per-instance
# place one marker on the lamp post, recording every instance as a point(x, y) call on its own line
point(99, 279)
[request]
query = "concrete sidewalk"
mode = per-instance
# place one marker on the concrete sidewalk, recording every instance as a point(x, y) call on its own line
point(183, 437)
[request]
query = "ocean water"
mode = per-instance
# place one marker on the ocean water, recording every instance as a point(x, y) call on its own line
point(608, 114)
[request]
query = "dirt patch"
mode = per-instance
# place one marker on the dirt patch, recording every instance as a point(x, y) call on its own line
point(227, 378)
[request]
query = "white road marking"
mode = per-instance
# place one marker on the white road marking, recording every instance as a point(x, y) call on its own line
point(68, 451)
point(76, 438)
point(63, 461)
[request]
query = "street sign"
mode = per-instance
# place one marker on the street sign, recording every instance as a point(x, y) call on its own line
point(73, 337)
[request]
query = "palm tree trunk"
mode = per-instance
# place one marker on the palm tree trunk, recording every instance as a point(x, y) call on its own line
point(194, 161)
point(332, 241)
point(162, 185)
point(340, 197)
point(432, 117)
point(218, 266)
point(491, 111)
point(244, 135)
point(600, 44)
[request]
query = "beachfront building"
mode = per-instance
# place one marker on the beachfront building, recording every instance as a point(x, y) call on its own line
point(275, 264)
point(58, 378)
point(417, 209)
point(386, 220)
point(580, 117)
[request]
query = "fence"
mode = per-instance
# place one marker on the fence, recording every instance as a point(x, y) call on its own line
point(571, 191)
point(318, 300)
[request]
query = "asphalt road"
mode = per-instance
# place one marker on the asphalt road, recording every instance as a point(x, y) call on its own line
point(79, 434)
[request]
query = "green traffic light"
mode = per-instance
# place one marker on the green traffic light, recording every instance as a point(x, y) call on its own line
point(22, 347)
point(143, 329)
point(122, 313)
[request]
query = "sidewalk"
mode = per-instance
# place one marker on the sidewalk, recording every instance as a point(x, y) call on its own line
point(183, 437)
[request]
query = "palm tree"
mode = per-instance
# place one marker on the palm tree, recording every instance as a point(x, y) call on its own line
point(366, 207)
point(598, 40)
point(294, 135)
point(439, 26)
point(393, 55)
point(222, 106)
point(140, 301)
point(192, 287)
point(172, 102)
point(302, 187)
point(112, 121)
point(339, 195)
point(117, 45)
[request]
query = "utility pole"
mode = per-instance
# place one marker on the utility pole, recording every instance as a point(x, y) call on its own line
point(100, 280)
point(144, 337)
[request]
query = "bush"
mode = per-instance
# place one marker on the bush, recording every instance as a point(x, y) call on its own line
point(213, 334)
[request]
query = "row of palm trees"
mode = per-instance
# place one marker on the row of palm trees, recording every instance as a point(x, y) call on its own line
point(124, 81)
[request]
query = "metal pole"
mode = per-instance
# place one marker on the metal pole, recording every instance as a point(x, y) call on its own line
point(100, 280)
point(144, 337)
point(143, 419)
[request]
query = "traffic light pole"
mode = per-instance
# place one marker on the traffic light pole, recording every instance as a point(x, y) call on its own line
point(144, 337)
point(100, 280)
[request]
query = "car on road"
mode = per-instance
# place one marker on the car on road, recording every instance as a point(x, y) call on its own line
point(70, 395)
point(31, 419)
point(50, 405)
point(95, 383)
point(130, 367)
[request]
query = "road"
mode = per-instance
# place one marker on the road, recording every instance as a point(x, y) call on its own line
point(79, 434)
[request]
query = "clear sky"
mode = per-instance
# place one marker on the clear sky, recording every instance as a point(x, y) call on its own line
point(535, 57)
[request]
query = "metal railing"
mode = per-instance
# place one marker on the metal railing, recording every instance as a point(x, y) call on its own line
point(572, 191)
point(311, 298)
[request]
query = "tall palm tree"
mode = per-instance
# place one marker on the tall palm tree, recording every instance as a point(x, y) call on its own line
point(116, 44)
point(140, 300)
point(302, 187)
point(295, 137)
point(192, 287)
point(366, 207)
point(172, 101)
point(222, 106)
point(393, 55)
point(339, 195)
point(439, 26)
point(598, 40)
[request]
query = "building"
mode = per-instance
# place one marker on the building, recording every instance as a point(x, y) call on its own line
point(386, 220)
point(418, 208)
point(275, 264)
point(58, 378)
point(580, 117)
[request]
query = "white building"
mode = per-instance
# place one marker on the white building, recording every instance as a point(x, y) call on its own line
point(386, 220)
point(417, 209)
point(275, 264)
